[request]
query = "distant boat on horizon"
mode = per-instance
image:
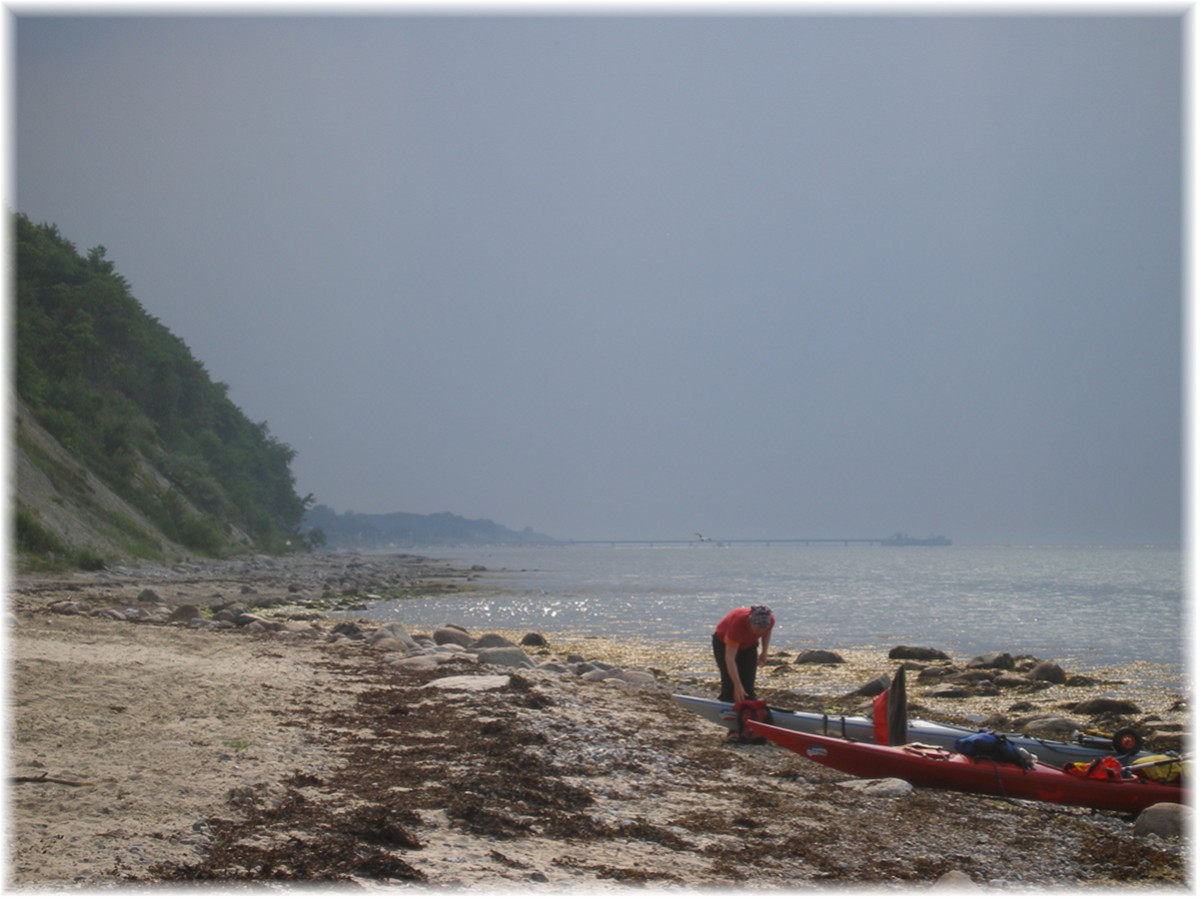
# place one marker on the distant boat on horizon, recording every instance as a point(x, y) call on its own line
point(899, 539)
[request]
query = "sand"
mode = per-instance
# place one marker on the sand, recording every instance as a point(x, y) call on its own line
point(178, 756)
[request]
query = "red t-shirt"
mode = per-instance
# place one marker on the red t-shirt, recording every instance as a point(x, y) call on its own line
point(735, 629)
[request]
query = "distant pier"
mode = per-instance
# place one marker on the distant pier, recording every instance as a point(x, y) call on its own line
point(895, 540)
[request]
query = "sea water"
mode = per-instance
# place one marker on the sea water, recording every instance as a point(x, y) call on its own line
point(1092, 606)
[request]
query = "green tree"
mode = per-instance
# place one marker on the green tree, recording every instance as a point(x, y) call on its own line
point(113, 384)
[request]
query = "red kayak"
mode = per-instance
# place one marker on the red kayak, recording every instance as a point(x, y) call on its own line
point(925, 766)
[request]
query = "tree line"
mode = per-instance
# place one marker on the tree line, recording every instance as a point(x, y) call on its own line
point(375, 530)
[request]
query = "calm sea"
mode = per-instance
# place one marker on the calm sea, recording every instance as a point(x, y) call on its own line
point(1085, 605)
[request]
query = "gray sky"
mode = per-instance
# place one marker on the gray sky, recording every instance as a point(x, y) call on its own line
point(788, 275)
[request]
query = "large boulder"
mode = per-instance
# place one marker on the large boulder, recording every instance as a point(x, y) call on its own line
point(349, 630)
point(417, 662)
point(1046, 725)
point(1048, 671)
point(992, 661)
point(491, 640)
point(1104, 706)
point(1013, 680)
point(819, 657)
point(926, 654)
point(452, 634)
point(66, 608)
point(511, 657)
point(185, 613)
point(470, 683)
point(935, 674)
point(877, 685)
point(301, 628)
point(393, 633)
point(1164, 820)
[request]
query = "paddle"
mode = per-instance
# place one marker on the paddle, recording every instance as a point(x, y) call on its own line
point(1159, 762)
point(897, 710)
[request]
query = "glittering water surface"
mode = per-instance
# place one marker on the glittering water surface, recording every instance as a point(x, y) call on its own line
point(1086, 605)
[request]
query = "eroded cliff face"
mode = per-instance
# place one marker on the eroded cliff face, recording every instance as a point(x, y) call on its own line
point(83, 514)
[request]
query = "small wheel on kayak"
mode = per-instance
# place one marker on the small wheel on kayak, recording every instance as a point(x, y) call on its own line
point(1127, 741)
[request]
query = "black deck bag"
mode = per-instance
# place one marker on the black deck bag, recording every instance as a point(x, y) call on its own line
point(990, 745)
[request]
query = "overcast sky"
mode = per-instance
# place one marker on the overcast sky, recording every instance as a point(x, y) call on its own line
point(632, 277)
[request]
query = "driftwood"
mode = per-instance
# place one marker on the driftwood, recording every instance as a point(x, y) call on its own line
point(45, 778)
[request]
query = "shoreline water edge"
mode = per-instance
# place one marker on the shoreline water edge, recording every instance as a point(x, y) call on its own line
point(248, 722)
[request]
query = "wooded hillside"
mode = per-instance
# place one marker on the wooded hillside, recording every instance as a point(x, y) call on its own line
point(136, 414)
point(367, 530)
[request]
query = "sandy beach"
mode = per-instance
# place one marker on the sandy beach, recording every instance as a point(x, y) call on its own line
point(160, 753)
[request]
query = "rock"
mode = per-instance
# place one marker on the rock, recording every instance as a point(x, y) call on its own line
point(584, 667)
point(992, 661)
point(639, 677)
point(871, 688)
point(1106, 706)
point(935, 673)
point(418, 662)
point(975, 676)
point(392, 631)
point(533, 639)
point(1048, 671)
point(918, 653)
point(450, 634)
point(1045, 725)
point(950, 692)
point(389, 645)
point(470, 683)
point(819, 657)
point(245, 620)
point(66, 608)
point(1012, 680)
point(1167, 740)
point(880, 787)
point(513, 657)
point(351, 630)
point(954, 880)
point(491, 640)
point(1164, 820)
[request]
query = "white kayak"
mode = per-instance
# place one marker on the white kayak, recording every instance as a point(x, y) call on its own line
point(1083, 747)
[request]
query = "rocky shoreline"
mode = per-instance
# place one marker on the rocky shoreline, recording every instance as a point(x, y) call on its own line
point(313, 748)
